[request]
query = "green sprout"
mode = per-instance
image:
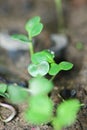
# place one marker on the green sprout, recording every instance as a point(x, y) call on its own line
point(41, 108)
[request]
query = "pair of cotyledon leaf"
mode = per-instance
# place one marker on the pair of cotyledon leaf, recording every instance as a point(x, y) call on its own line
point(43, 63)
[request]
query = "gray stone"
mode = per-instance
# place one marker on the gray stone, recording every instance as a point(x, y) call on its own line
point(59, 43)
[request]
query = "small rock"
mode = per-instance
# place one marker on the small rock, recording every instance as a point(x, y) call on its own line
point(59, 43)
point(9, 44)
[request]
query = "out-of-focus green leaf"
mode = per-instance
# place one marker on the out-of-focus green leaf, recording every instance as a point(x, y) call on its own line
point(40, 110)
point(17, 94)
point(67, 109)
point(5, 95)
point(40, 86)
point(3, 88)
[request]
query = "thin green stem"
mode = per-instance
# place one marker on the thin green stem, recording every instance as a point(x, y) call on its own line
point(52, 78)
point(31, 49)
point(59, 10)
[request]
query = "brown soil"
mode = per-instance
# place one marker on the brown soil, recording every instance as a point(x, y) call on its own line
point(75, 79)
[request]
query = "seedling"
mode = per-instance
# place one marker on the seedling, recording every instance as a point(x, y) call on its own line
point(40, 108)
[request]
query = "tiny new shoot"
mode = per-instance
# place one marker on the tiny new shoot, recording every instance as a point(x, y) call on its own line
point(40, 106)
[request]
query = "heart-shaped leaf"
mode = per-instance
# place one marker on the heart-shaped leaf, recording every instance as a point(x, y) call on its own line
point(38, 69)
point(33, 26)
point(20, 37)
point(36, 29)
point(31, 22)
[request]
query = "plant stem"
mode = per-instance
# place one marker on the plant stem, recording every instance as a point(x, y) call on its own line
point(31, 50)
point(59, 9)
point(52, 78)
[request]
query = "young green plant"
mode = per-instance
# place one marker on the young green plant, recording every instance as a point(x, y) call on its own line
point(41, 106)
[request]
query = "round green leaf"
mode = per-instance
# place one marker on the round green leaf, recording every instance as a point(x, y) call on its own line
point(31, 22)
point(17, 94)
point(39, 69)
point(38, 58)
point(64, 65)
point(3, 88)
point(68, 109)
point(40, 86)
point(33, 26)
point(20, 37)
point(45, 55)
point(36, 29)
point(54, 69)
point(40, 110)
